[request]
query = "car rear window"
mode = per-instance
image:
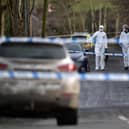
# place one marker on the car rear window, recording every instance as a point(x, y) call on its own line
point(32, 50)
point(74, 47)
point(78, 37)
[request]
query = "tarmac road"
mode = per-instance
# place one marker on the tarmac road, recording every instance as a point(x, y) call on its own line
point(105, 94)
point(88, 119)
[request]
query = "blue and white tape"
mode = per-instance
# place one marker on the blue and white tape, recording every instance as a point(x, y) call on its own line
point(59, 76)
point(28, 40)
point(93, 53)
point(55, 40)
point(52, 40)
point(104, 77)
point(109, 54)
point(28, 75)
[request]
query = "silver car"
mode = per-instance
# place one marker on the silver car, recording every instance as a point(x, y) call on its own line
point(44, 94)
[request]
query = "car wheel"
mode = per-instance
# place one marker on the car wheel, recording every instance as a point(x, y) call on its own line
point(67, 117)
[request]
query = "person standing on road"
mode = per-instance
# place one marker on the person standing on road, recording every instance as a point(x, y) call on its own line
point(124, 43)
point(100, 38)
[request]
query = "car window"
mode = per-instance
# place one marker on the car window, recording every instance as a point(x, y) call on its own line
point(24, 50)
point(78, 37)
point(74, 47)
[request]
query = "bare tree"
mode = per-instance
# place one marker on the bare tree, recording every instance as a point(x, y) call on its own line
point(2, 18)
point(20, 12)
point(117, 24)
point(16, 13)
point(100, 15)
point(105, 18)
point(30, 16)
point(45, 7)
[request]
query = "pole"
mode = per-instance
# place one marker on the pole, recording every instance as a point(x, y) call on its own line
point(45, 7)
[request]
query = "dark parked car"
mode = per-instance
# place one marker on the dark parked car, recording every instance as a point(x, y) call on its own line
point(78, 56)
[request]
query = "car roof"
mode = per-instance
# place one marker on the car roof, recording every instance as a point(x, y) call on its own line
point(73, 44)
point(79, 34)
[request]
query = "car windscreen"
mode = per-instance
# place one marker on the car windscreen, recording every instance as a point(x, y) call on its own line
point(73, 47)
point(32, 50)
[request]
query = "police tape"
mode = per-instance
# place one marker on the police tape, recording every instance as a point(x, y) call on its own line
point(25, 40)
point(52, 40)
point(93, 53)
point(109, 54)
point(59, 76)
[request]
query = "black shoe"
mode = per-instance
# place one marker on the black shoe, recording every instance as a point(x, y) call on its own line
point(125, 68)
point(106, 59)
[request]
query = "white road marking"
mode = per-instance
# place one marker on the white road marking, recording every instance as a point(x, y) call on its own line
point(123, 118)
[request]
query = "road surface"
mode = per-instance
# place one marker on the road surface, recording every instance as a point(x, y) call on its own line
point(117, 118)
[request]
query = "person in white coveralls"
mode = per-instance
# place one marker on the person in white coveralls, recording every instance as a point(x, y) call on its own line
point(124, 43)
point(100, 38)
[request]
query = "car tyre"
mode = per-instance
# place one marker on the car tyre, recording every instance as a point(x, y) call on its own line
point(67, 117)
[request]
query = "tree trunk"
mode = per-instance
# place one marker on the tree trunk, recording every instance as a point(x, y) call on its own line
point(117, 24)
point(3, 24)
point(44, 18)
point(82, 22)
point(0, 16)
point(31, 27)
point(74, 22)
point(93, 19)
point(92, 16)
point(17, 19)
point(105, 18)
point(100, 15)
point(69, 19)
point(70, 25)
point(31, 7)
point(26, 15)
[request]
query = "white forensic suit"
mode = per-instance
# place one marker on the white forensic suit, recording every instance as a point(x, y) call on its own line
point(100, 45)
point(124, 41)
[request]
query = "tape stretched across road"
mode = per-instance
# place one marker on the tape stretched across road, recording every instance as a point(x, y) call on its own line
point(109, 54)
point(52, 40)
point(93, 53)
point(55, 40)
point(59, 76)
